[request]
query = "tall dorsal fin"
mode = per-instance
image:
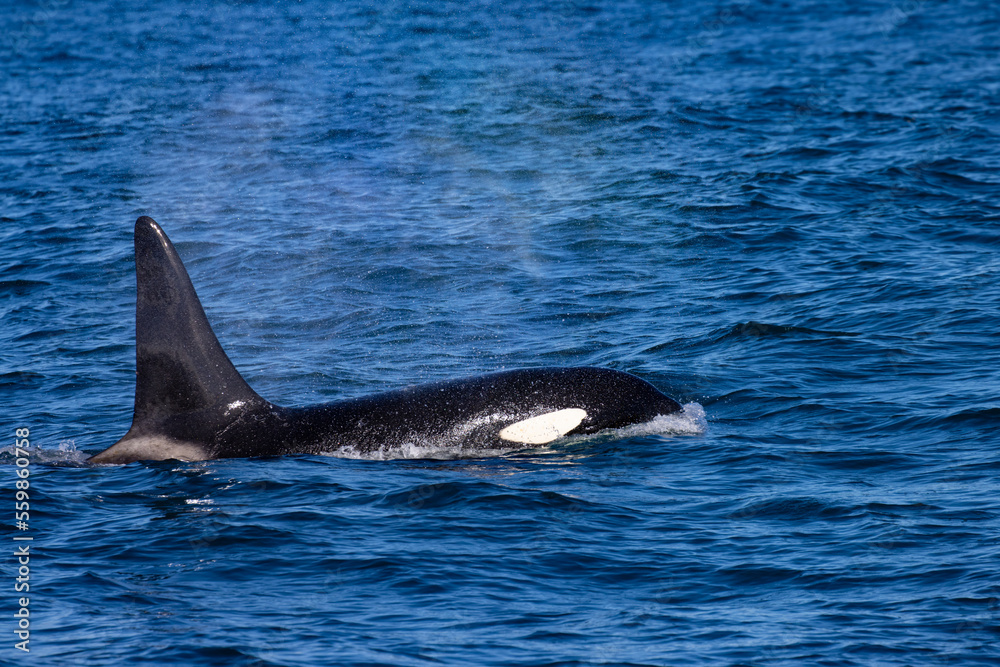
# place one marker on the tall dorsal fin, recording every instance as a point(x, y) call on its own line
point(180, 366)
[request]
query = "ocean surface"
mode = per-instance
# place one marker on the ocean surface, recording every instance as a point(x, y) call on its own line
point(784, 214)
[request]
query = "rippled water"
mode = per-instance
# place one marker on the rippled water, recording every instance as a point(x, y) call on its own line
point(784, 214)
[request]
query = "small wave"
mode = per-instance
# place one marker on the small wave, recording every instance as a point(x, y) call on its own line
point(762, 329)
point(975, 416)
point(789, 509)
point(65, 455)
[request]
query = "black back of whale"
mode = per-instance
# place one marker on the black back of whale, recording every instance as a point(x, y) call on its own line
point(192, 404)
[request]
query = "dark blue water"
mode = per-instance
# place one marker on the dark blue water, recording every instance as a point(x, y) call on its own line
point(783, 213)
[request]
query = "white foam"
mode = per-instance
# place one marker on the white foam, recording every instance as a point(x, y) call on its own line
point(444, 450)
point(689, 421)
point(66, 455)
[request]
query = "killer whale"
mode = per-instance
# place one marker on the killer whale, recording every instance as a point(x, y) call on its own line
point(192, 404)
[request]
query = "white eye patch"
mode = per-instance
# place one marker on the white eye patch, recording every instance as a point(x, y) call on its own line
point(544, 428)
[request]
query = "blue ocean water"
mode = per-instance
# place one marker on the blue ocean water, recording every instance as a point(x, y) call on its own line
point(784, 214)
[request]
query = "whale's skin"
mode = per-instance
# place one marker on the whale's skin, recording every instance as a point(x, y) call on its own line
point(192, 404)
